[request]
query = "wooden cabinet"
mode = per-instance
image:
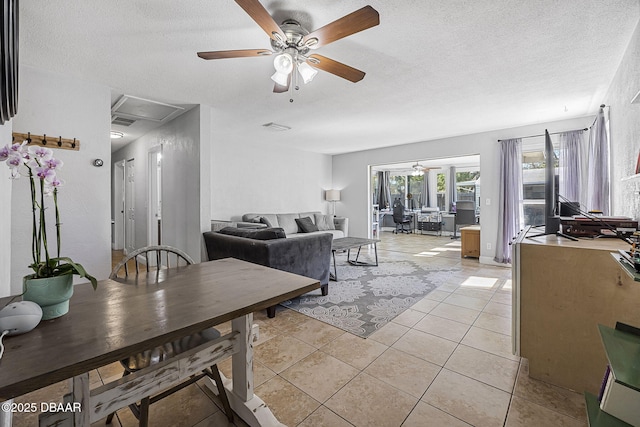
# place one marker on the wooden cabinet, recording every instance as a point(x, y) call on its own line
point(470, 240)
point(562, 290)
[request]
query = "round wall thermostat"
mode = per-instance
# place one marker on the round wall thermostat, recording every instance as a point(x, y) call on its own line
point(98, 162)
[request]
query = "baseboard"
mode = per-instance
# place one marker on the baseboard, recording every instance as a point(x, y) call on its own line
point(489, 261)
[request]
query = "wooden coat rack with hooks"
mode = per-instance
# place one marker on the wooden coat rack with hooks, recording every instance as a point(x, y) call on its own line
point(47, 141)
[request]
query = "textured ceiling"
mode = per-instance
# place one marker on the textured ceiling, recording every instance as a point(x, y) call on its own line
point(434, 68)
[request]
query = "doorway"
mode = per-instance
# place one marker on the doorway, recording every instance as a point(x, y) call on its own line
point(423, 187)
point(118, 206)
point(155, 196)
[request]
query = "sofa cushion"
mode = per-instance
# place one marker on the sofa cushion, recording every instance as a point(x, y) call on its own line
point(306, 225)
point(259, 234)
point(325, 222)
point(311, 215)
point(255, 217)
point(265, 220)
point(288, 222)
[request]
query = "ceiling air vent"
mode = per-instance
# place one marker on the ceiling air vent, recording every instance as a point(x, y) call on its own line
point(276, 127)
point(132, 107)
point(117, 120)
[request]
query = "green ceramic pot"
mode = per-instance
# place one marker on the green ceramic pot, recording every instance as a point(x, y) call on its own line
point(50, 293)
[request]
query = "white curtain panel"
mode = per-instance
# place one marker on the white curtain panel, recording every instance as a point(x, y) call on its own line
point(598, 170)
point(433, 188)
point(510, 212)
point(573, 167)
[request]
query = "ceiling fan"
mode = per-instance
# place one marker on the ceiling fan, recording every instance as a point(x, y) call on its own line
point(292, 44)
point(419, 170)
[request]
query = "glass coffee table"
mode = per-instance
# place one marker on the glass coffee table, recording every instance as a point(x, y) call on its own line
point(348, 243)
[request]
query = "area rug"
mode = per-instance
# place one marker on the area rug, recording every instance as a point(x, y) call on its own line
point(366, 298)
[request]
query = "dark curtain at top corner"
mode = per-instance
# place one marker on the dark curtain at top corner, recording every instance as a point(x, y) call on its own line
point(384, 192)
point(8, 60)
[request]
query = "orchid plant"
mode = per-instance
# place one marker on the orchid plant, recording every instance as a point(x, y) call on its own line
point(38, 164)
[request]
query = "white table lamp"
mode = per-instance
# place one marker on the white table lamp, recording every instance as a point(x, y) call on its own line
point(332, 196)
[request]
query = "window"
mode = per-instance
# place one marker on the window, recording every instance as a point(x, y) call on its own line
point(468, 187)
point(441, 188)
point(397, 186)
point(415, 189)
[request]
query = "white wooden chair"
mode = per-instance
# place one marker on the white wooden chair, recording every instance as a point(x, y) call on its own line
point(158, 258)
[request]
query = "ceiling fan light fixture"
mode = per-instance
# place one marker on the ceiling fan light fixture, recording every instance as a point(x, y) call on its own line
point(283, 63)
point(307, 72)
point(280, 78)
point(418, 169)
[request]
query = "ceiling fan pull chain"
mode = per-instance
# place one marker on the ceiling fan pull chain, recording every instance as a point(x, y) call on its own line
point(294, 79)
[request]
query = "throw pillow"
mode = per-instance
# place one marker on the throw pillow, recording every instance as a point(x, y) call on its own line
point(259, 234)
point(306, 225)
point(264, 220)
point(325, 222)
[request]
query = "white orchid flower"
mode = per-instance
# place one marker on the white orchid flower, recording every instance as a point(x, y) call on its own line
point(42, 154)
point(4, 153)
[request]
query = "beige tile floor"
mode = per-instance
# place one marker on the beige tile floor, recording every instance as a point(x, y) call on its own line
point(444, 362)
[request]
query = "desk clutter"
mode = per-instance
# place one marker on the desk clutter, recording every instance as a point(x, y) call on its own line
point(426, 220)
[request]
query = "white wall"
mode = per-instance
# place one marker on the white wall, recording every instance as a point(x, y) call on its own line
point(181, 188)
point(204, 183)
point(57, 105)
point(5, 217)
point(625, 131)
point(249, 176)
point(350, 173)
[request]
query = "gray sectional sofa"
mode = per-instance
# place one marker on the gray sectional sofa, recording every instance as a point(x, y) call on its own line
point(308, 255)
point(337, 226)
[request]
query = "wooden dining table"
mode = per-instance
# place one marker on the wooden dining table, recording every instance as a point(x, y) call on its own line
point(123, 318)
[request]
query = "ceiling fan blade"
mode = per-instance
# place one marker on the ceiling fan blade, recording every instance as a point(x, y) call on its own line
point(282, 89)
point(244, 53)
point(259, 14)
point(352, 23)
point(334, 67)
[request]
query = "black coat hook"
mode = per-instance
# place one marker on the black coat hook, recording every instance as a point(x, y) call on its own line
point(59, 141)
point(28, 137)
point(73, 144)
point(44, 139)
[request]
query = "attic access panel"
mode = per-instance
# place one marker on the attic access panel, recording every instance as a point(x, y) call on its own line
point(133, 107)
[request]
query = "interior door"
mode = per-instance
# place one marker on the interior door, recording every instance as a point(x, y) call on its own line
point(130, 207)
